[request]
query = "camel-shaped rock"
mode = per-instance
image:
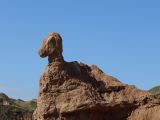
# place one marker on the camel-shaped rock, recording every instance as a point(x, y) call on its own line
point(76, 91)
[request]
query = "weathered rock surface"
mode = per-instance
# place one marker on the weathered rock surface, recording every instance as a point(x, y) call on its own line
point(76, 91)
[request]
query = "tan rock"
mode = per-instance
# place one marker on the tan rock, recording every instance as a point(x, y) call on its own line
point(76, 91)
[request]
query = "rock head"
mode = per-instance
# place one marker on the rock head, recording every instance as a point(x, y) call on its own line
point(52, 47)
point(76, 91)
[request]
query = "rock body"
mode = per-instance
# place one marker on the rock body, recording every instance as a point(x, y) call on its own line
point(76, 91)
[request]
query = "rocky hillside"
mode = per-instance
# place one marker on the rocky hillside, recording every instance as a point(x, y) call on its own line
point(155, 91)
point(76, 91)
point(12, 109)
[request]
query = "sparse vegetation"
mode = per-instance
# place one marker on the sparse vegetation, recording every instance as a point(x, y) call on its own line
point(155, 91)
point(10, 112)
point(15, 108)
point(29, 106)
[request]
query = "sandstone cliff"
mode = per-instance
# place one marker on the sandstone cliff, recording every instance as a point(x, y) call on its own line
point(76, 91)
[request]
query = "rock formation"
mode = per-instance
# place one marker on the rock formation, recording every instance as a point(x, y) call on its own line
point(76, 91)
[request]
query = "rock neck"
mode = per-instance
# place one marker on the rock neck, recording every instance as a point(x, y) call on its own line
point(55, 58)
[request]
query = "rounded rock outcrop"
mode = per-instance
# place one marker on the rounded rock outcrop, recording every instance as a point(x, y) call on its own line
point(76, 91)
